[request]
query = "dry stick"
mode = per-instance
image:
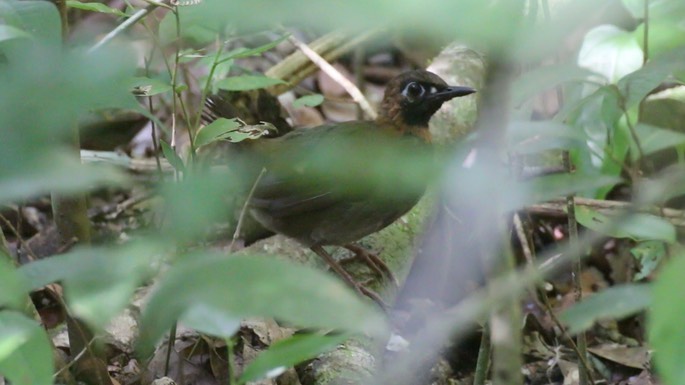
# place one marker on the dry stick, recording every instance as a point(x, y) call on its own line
point(20, 239)
point(483, 362)
point(29, 307)
point(243, 211)
point(78, 356)
point(529, 254)
point(558, 207)
point(297, 66)
point(581, 341)
point(139, 15)
point(70, 213)
point(334, 74)
point(153, 125)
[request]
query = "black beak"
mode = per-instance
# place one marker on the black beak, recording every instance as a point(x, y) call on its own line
point(451, 92)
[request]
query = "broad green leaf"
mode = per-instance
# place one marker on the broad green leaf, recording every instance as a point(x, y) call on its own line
point(210, 320)
point(636, 226)
point(666, 31)
point(94, 7)
point(547, 77)
point(215, 131)
point(148, 87)
point(13, 291)
point(246, 286)
point(616, 302)
point(198, 201)
point(171, 155)
point(308, 100)
point(7, 32)
point(288, 352)
point(36, 156)
point(653, 139)
point(669, 183)
point(560, 185)
point(666, 319)
point(246, 82)
point(61, 175)
point(25, 353)
point(534, 137)
point(638, 84)
point(610, 51)
point(98, 282)
point(37, 18)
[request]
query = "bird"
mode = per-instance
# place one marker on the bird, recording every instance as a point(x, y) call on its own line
point(333, 184)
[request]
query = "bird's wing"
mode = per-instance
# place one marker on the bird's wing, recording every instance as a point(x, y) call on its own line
point(312, 169)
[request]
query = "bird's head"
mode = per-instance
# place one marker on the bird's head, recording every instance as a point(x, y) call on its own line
point(412, 98)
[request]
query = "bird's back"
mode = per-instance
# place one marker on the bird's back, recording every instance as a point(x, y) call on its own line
point(335, 184)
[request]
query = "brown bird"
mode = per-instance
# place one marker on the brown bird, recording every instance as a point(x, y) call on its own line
point(334, 184)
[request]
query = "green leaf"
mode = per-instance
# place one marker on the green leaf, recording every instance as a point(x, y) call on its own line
point(559, 185)
point(666, 320)
point(665, 25)
point(61, 175)
point(94, 7)
point(7, 32)
point(199, 200)
point(610, 51)
point(37, 18)
point(534, 137)
point(308, 100)
point(173, 158)
point(636, 226)
point(653, 139)
point(649, 255)
point(148, 87)
point(215, 131)
point(98, 282)
point(288, 352)
point(245, 52)
point(246, 286)
point(210, 320)
point(13, 291)
point(547, 77)
point(247, 82)
point(25, 354)
point(638, 84)
point(616, 302)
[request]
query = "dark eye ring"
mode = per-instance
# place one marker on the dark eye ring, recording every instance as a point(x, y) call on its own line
point(413, 91)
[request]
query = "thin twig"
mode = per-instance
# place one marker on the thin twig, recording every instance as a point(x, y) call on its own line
point(581, 342)
point(243, 211)
point(31, 255)
point(557, 207)
point(127, 23)
point(76, 358)
point(645, 33)
point(334, 74)
point(529, 254)
point(170, 345)
point(483, 362)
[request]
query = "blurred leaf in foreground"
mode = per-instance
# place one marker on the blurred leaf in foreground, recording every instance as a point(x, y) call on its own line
point(244, 286)
point(25, 353)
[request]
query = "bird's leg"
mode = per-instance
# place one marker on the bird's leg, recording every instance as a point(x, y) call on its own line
point(373, 261)
point(361, 289)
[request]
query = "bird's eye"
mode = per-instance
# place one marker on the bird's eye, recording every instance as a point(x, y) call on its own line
point(413, 91)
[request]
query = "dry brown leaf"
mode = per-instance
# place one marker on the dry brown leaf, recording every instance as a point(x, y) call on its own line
point(633, 357)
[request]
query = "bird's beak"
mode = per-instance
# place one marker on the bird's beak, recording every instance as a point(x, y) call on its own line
point(451, 92)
